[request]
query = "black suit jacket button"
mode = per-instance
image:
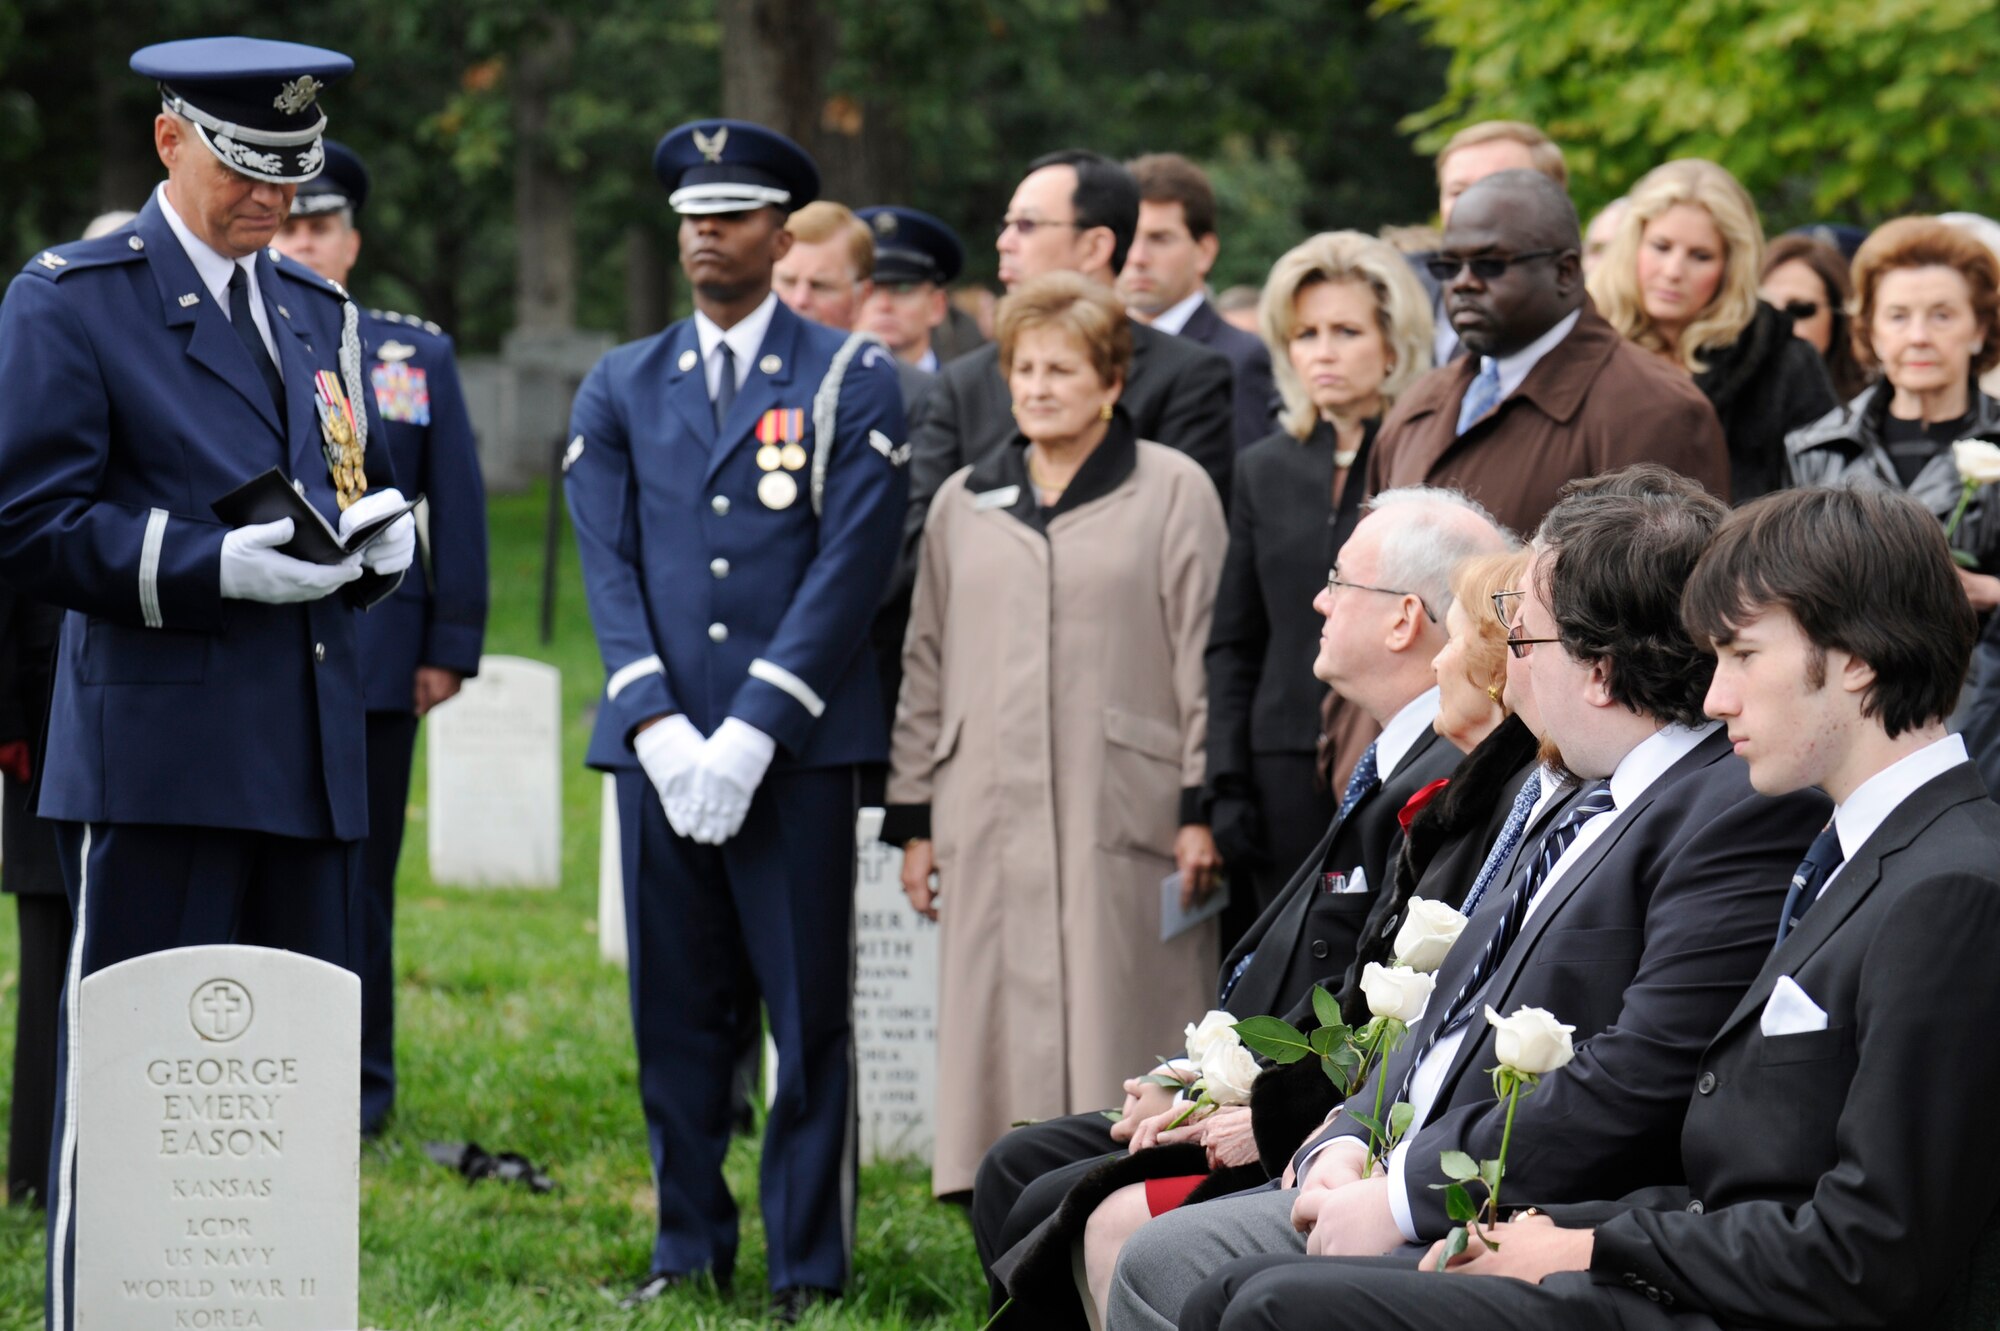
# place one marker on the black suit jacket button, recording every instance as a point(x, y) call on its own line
point(1632, 1280)
point(1319, 949)
point(1695, 1207)
point(1653, 1293)
point(1707, 1083)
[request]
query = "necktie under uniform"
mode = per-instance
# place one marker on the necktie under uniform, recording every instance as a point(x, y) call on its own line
point(725, 383)
point(253, 342)
point(1503, 848)
point(1482, 396)
point(1597, 800)
point(1822, 858)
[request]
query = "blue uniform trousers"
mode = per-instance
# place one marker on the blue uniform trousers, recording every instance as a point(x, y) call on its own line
point(139, 888)
point(779, 896)
point(392, 741)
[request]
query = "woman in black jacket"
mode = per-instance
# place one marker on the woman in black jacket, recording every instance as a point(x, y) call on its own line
point(1349, 327)
point(1681, 281)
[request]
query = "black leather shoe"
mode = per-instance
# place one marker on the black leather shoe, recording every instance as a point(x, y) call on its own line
point(789, 1305)
point(653, 1286)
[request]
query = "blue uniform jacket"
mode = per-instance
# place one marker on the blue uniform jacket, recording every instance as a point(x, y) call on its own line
point(708, 601)
point(130, 406)
point(438, 616)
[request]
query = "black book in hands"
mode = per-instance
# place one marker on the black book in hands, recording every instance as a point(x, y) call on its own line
point(269, 497)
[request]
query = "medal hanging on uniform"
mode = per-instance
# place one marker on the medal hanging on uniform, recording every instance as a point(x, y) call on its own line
point(779, 453)
point(340, 439)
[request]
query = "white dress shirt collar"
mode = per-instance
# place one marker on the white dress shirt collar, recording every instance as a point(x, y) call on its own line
point(1651, 757)
point(1880, 795)
point(1174, 318)
point(928, 362)
point(213, 269)
point(1514, 369)
point(1397, 738)
point(744, 339)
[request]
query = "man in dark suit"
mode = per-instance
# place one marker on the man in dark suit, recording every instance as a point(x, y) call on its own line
point(1638, 917)
point(1163, 282)
point(1812, 1196)
point(1376, 650)
point(1074, 211)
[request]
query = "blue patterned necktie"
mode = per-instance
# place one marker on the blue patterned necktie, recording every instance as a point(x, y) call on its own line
point(1510, 836)
point(1482, 396)
point(1596, 800)
point(1822, 858)
point(1361, 785)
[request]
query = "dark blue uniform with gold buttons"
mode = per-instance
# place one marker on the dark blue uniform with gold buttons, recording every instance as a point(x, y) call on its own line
point(733, 572)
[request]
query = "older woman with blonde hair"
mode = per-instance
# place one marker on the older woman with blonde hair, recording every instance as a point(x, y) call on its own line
point(1050, 735)
point(1349, 328)
point(1681, 280)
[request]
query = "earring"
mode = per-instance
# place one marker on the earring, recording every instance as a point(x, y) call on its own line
point(1104, 412)
point(1493, 692)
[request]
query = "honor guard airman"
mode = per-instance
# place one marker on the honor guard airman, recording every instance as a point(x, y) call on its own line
point(418, 646)
point(917, 258)
point(207, 735)
point(737, 488)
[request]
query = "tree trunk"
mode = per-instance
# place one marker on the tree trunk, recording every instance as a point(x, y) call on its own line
point(544, 194)
point(648, 283)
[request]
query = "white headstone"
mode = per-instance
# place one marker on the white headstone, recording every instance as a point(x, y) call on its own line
point(218, 1143)
point(495, 759)
point(611, 944)
point(895, 1004)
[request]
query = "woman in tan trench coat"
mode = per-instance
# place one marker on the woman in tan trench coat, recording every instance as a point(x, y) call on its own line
point(1049, 737)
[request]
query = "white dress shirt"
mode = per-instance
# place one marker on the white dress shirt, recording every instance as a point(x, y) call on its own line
point(744, 339)
point(928, 362)
point(1864, 810)
point(213, 269)
point(1404, 729)
point(1174, 318)
point(1514, 369)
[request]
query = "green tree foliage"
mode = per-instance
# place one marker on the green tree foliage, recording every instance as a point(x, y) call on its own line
point(1826, 109)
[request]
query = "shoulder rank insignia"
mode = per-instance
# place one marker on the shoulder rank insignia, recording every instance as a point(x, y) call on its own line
point(395, 351)
point(50, 260)
point(402, 390)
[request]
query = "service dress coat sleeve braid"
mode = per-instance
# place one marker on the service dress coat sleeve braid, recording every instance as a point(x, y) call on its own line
point(455, 628)
point(603, 505)
point(62, 540)
point(860, 525)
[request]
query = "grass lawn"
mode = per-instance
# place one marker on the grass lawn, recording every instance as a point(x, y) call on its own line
point(511, 1032)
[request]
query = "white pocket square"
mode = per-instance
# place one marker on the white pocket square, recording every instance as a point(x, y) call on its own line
point(1789, 1011)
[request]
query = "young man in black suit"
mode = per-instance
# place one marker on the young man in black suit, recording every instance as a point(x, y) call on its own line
point(1638, 917)
point(1832, 1140)
point(1376, 649)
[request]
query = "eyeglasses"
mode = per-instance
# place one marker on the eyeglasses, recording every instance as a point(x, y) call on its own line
point(1801, 309)
point(1334, 580)
point(1516, 645)
point(1028, 226)
point(1487, 267)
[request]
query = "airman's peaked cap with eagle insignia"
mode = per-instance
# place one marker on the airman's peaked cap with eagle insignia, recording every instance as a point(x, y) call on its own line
point(253, 103)
point(733, 166)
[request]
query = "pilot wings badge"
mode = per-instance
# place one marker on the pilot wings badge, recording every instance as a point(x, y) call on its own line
point(710, 145)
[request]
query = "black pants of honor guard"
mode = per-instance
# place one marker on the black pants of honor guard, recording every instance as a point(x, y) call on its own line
point(32, 873)
point(138, 889)
point(779, 894)
point(1299, 1293)
point(392, 742)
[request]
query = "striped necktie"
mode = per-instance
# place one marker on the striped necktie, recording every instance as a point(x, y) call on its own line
point(1596, 800)
point(1822, 858)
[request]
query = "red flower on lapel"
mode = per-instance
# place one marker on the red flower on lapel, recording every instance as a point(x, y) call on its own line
point(1416, 802)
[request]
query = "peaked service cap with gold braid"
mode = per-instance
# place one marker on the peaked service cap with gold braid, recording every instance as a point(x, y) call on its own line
point(254, 103)
point(733, 166)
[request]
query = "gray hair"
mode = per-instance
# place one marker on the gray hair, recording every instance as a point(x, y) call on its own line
point(1439, 530)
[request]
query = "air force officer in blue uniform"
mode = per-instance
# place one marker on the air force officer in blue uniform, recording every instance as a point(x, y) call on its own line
point(737, 489)
point(206, 739)
point(420, 645)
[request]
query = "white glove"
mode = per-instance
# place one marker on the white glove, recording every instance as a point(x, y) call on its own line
point(670, 751)
point(393, 550)
point(253, 570)
point(733, 763)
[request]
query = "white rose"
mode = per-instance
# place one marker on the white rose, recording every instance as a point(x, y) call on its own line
point(1227, 1071)
point(1397, 992)
point(1978, 461)
point(1216, 1026)
point(1429, 929)
point(1531, 1041)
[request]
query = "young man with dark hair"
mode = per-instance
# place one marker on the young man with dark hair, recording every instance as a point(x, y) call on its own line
point(1165, 276)
point(1827, 1140)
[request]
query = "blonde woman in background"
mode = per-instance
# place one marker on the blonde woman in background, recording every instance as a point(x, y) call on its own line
point(1680, 280)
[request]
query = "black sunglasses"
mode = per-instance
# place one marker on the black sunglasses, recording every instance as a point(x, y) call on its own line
point(1487, 267)
point(1801, 309)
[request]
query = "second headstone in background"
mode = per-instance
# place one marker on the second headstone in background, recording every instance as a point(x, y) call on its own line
point(895, 1005)
point(495, 795)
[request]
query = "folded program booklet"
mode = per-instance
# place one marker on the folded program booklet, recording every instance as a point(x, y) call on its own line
point(268, 497)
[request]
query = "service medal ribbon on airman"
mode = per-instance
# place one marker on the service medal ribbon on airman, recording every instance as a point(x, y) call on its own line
point(402, 392)
point(342, 440)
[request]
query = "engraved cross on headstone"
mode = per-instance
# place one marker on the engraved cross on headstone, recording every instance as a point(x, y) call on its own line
point(222, 1005)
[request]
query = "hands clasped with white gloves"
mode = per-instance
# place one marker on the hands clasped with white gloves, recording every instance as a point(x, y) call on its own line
point(254, 570)
point(393, 550)
point(670, 751)
point(733, 763)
